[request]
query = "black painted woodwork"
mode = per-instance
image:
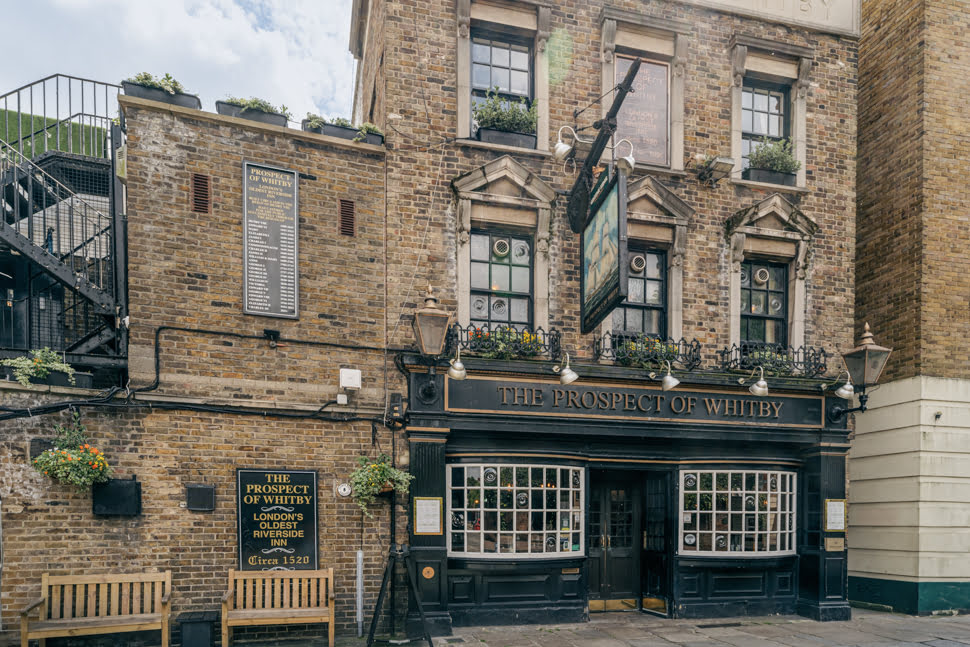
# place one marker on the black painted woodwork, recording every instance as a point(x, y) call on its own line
point(614, 517)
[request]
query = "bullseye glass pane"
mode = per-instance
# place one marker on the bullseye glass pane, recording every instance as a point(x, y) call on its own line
point(520, 252)
point(499, 309)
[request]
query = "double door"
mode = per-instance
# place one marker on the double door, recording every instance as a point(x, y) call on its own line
point(627, 534)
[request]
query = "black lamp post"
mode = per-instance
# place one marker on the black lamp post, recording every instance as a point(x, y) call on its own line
point(430, 328)
point(864, 364)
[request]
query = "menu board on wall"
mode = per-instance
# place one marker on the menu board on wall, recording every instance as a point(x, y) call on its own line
point(277, 515)
point(643, 117)
point(270, 239)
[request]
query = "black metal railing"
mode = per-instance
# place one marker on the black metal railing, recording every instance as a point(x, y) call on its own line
point(648, 352)
point(60, 113)
point(505, 342)
point(775, 359)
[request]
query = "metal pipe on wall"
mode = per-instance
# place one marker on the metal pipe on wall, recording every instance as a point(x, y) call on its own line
point(360, 593)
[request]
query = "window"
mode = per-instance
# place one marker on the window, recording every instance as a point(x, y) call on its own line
point(645, 309)
point(644, 116)
point(764, 114)
point(737, 512)
point(525, 510)
point(764, 302)
point(501, 64)
point(501, 280)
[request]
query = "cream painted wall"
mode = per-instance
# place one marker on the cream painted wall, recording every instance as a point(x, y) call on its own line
point(909, 492)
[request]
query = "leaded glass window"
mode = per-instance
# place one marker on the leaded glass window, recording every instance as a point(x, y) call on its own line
point(645, 308)
point(764, 114)
point(501, 280)
point(502, 65)
point(764, 302)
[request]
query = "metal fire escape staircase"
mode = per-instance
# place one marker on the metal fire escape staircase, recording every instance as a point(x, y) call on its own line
point(62, 234)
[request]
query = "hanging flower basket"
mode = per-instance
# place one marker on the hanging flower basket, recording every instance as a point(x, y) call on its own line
point(373, 477)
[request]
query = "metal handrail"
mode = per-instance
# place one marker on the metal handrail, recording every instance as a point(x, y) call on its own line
point(774, 359)
point(647, 351)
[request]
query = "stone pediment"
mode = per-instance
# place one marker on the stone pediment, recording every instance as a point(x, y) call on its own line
point(648, 199)
point(774, 217)
point(504, 180)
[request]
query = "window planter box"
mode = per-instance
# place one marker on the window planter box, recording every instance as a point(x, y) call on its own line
point(271, 118)
point(344, 133)
point(154, 94)
point(506, 138)
point(116, 497)
point(768, 177)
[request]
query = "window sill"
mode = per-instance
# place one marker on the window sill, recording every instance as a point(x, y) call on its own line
point(474, 143)
point(775, 187)
point(661, 170)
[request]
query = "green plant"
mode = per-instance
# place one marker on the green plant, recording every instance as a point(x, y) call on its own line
point(365, 129)
point(503, 114)
point(772, 361)
point(505, 343)
point(773, 155)
point(72, 460)
point(340, 121)
point(258, 105)
point(371, 476)
point(646, 352)
point(166, 83)
point(39, 366)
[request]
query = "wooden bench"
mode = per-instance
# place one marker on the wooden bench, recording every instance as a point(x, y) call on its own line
point(83, 605)
point(276, 598)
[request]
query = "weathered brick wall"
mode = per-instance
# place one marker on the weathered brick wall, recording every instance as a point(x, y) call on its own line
point(421, 162)
point(891, 192)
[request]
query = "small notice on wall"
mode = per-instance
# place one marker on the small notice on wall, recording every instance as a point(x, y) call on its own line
point(271, 275)
point(277, 512)
point(834, 515)
point(427, 515)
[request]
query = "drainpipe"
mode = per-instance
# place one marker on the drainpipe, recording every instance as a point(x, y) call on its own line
point(1, 562)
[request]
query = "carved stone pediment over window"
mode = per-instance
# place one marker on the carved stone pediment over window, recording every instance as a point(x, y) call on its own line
point(773, 229)
point(504, 195)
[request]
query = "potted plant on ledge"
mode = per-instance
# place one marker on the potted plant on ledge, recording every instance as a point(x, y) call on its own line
point(372, 477)
point(342, 128)
point(502, 121)
point(166, 90)
point(772, 162)
point(255, 109)
point(44, 366)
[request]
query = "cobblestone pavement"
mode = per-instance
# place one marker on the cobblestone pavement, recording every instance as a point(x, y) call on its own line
point(866, 629)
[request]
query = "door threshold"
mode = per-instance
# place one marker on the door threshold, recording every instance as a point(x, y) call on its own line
point(626, 604)
point(654, 606)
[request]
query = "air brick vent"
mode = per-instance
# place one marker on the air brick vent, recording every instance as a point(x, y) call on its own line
point(348, 218)
point(201, 193)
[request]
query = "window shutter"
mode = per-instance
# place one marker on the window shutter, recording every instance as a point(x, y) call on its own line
point(348, 218)
point(201, 193)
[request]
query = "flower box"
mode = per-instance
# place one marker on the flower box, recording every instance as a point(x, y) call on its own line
point(506, 138)
point(769, 177)
point(116, 497)
point(344, 132)
point(155, 94)
point(232, 110)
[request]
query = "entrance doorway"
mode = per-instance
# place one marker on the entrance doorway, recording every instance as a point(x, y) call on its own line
point(628, 541)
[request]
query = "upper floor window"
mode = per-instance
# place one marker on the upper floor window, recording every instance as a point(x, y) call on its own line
point(763, 115)
point(644, 118)
point(500, 65)
point(764, 302)
point(501, 280)
point(645, 308)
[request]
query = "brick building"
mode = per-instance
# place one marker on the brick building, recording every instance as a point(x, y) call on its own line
point(908, 528)
point(533, 499)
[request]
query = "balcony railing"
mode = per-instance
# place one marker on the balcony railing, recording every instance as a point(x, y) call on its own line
point(644, 351)
point(505, 342)
point(775, 359)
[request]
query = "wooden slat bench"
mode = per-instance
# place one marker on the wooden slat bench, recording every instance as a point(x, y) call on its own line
point(84, 605)
point(277, 597)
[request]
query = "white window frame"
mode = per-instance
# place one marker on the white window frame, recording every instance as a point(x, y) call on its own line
point(574, 515)
point(787, 516)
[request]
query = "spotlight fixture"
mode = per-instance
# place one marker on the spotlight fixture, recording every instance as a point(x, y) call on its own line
point(760, 387)
point(846, 391)
point(566, 374)
point(715, 169)
point(562, 150)
point(456, 370)
point(625, 165)
point(668, 382)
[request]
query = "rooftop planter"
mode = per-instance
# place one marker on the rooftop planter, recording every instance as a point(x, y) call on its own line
point(503, 121)
point(255, 110)
point(771, 161)
point(165, 90)
point(504, 342)
point(342, 128)
point(774, 359)
point(648, 352)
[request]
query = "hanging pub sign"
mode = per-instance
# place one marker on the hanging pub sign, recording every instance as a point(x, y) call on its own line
point(270, 238)
point(603, 277)
point(277, 515)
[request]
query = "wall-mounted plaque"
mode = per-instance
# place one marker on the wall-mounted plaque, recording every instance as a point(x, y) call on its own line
point(834, 515)
point(643, 118)
point(277, 513)
point(271, 277)
point(427, 515)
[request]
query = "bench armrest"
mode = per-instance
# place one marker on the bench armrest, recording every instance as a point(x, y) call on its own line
point(166, 598)
point(33, 605)
point(227, 595)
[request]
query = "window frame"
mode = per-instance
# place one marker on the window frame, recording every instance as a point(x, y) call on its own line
point(756, 84)
point(747, 317)
point(635, 249)
point(790, 514)
point(507, 294)
point(575, 510)
point(509, 39)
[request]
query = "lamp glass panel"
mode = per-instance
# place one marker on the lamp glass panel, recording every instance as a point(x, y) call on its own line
point(431, 330)
point(855, 364)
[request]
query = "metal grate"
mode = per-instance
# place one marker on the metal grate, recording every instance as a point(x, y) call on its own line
point(201, 193)
point(348, 218)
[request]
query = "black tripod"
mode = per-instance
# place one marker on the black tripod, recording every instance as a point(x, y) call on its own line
point(402, 552)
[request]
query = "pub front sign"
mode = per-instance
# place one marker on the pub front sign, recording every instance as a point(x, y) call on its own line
point(603, 271)
point(277, 515)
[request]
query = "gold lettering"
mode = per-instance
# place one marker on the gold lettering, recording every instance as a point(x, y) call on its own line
point(505, 393)
point(691, 401)
point(516, 394)
point(602, 400)
point(557, 395)
point(678, 404)
point(573, 400)
point(713, 406)
point(660, 399)
point(536, 397)
point(645, 409)
point(731, 407)
point(592, 402)
point(777, 407)
point(616, 399)
point(764, 409)
point(629, 402)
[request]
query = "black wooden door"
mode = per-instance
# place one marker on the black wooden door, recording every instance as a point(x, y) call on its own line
point(614, 529)
point(656, 547)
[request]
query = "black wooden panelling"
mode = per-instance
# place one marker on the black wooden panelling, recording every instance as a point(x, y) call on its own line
point(833, 578)
point(783, 583)
point(572, 587)
point(461, 589)
point(516, 588)
point(734, 585)
point(690, 585)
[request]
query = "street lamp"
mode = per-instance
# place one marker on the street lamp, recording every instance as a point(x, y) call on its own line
point(430, 328)
point(864, 364)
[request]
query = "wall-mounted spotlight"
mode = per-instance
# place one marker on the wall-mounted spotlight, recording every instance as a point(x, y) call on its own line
point(759, 388)
point(625, 165)
point(669, 381)
point(715, 169)
point(456, 370)
point(566, 374)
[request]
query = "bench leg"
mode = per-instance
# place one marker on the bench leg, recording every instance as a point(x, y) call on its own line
point(331, 630)
point(225, 633)
point(165, 634)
